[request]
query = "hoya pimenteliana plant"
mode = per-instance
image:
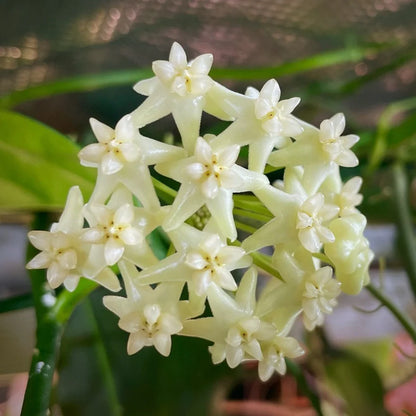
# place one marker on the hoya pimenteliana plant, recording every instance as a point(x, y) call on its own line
point(308, 216)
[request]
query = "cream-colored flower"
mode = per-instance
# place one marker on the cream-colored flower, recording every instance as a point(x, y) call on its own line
point(123, 155)
point(150, 316)
point(319, 297)
point(211, 171)
point(235, 328)
point(209, 177)
point(310, 218)
point(212, 261)
point(114, 149)
point(275, 114)
point(114, 229)
point(263, 122)
point(178, 75)
point(318, 151)
point(119, 229)
point(349, 197)
point(350, 252)
point(65, 255)
point(274, 356)
point(59, 256)
point(203, 259)
point(181, 77)
point(179, 87)
point(337, 147)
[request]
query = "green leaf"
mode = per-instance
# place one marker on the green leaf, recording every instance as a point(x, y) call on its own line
point(110, 79)
point(39, 165)
point(359, 385)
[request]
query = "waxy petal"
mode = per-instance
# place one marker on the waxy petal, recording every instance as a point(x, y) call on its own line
point(177, 56)
point(40, 261)
point(113, 251)
point(102, 132)
point(164, 70)
point(92, 154)
point(201, 65)
point(111, 164)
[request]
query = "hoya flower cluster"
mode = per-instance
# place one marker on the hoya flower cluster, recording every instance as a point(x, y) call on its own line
point(308, 215)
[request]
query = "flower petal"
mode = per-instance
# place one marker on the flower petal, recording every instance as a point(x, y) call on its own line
point(201, 65)
point(42, 240)
point(124, 214)
point(102, 132)
point(40, 261)
point(164, 70)
point(162, 343)
point(92, 154)
point(195, 171)
point(113, 251)
point(111, 164)
point(177, 56)
point(209, 187)
point(131, 236)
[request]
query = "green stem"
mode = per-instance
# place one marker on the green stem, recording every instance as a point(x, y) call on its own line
point(400, 316)
point(166, 193)
point(52, 313)
point(67, 301)
point(250, 214)
point(251, 203)
point(405, 223)
point(39, 387)
point(48, 339)
point(245, 227)
point(263, 261)
point(304, 386)
point(104, 364)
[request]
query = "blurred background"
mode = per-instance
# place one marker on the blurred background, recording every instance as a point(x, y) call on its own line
point(64, 62)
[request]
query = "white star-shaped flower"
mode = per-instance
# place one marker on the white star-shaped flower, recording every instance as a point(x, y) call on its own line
point(209, 177)
point(122, 155)
point(337, 147)
point(203, 259)
point(150, 316)
point(349, 197)
point(114, 149)
point(59, 255)
point(319, 151)
point(119, 229)
point(63, 253)
point(234, 328)
point(263, 123)
point(310, 218)
point(275, 114)
point(179, 87)
point(275, 353)
point(319, 297)
point(239, 332)
point(183, 78)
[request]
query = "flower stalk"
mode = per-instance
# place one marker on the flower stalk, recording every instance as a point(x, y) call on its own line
point(404, 223)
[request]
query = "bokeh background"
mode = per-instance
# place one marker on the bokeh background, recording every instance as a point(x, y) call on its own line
point(356, 57)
